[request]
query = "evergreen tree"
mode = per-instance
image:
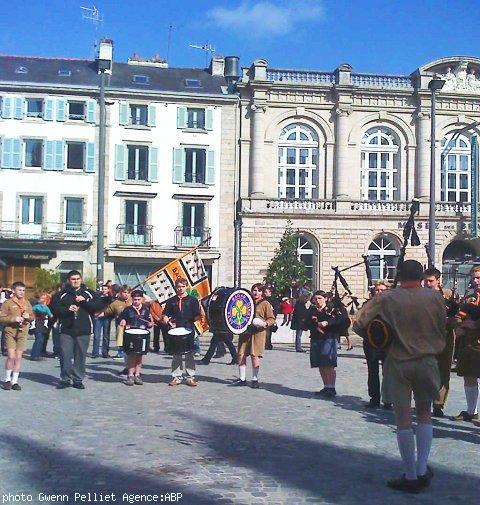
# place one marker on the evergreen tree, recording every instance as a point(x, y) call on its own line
point(286, 266)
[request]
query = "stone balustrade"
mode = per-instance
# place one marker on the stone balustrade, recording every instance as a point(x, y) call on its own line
point(300, 76)
point(382, 81)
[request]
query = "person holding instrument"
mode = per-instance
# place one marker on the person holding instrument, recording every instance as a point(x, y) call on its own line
point(135, 316)
point(15, 315)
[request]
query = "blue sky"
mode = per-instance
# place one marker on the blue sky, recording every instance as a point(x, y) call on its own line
point(391, 36)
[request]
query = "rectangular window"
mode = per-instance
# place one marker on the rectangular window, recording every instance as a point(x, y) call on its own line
point(195, 162)
point(463, 162)
point(32, 209)
point(34, 107)
point(135, 222)
point(290, 156)
point(372, 160)
point(196, 118)
point(463, 181)
point(303, 156)
point(193, 216)
point(137, 163)
point(76, 155)
point(139, 115)
point(73, 214)
point(33, 152)
point(76, 110)
point(452, 162)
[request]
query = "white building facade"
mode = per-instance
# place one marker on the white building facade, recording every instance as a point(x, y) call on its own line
point(341, 155)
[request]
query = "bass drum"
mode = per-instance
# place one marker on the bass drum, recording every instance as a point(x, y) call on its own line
point(230, 310)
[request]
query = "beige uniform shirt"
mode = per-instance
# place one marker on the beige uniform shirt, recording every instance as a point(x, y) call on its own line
point(417, 316)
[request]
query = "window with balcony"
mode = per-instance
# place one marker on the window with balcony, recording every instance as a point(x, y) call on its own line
point(380, 161)
point(298, 162)
point(135, 229)
point(193, 224)
point(139, 115)
point(456, 167)
point(73, 214)
point(137, 169)
point(193, 166)
point(31, 210)
point(33, 152)
point(76, 110)
point(76, 155)
point(34, 107)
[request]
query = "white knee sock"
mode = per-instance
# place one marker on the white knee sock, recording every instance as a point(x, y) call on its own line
point(406, 446)
point(255, 371)
point(8, 375)
point(15, 377)
point(424, 435)
point(471, 394)
point(242, 370)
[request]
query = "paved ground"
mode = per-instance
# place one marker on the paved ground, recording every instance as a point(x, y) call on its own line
point(217, 444)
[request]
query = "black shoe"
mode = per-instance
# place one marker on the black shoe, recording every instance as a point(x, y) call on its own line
point(233, 362)
point(327, 392)
point(105, 356)
point(269, 348)
point(238, 382)
point(95, 355)
point(64, 385)
point(300, 350)
point(16, 387)
point(373, 404)
point(403, 484)
point(426, 479)
point(438, 412)
point(78, 385)
point(204, 362)
point(387, 406)
point(255, 385)
point(123, 372)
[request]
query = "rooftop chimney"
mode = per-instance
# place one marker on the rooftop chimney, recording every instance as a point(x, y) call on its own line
point(156, 61)
point(217, 65)
point(105, 56)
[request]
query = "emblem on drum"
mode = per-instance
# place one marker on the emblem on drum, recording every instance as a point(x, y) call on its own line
point(239, 311)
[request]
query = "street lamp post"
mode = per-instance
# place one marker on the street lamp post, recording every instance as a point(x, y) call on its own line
point(434, 85)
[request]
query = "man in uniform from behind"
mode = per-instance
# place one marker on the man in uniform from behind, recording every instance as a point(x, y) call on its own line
point(416, 317)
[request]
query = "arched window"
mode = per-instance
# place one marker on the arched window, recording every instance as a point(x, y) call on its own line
point(383, 256)
point(380, 161)
point(307, 253)
point(298, 162)
point(456, 164)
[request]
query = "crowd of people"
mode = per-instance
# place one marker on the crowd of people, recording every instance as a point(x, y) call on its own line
point(429, 331)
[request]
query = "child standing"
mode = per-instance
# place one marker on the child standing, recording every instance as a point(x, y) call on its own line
point(286, 308)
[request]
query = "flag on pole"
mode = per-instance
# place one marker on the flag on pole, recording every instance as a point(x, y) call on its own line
point(190, 267)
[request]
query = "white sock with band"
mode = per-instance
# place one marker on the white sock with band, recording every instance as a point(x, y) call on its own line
point(255, 371)
point(471, 394)
point(406, 446)
point(15, 377)
point(242, 370)
point(8, 375)
point(424, 435)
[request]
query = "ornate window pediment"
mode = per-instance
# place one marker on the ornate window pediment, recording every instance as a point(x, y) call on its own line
point(461, 74)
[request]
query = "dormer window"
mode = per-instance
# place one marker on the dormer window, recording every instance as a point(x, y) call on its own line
point(64, 72)
point(141, 79)
point(193, 83)
point(21, 70)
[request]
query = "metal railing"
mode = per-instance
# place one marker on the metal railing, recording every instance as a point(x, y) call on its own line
point(16, 230)
point(134, 235)
point(186, 236)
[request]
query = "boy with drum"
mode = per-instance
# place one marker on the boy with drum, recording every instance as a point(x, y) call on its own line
point(182, 311)
point(136, 316)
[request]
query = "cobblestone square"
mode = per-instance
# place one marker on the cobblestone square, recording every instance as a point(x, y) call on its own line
point(217, 444)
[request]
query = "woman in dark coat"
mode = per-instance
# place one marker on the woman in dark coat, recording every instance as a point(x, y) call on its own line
point(299, 321)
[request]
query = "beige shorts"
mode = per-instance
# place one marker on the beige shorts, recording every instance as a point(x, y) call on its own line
point(18, 343)
point(402, 378)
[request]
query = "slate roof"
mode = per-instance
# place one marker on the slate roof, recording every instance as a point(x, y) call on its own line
point(44, 71)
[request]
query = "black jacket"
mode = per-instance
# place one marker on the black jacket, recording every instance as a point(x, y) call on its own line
point(184, 314)
point(336, 322)
point(80, 323)
point(299, 318)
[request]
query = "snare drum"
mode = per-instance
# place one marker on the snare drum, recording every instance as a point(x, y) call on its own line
point(136, 341)
point(182, 340)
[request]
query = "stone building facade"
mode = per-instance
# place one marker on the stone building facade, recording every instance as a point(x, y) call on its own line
point(341, 155)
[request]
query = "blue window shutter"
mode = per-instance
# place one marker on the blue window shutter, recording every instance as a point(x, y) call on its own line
point(178, 166)
point(18, 107)
point(209, 118)
point(61, 109)
point(181, 117)
point(210, 172)
point(7, 107)
point(59, 151)
point(123, 113)
point(91, 111)
point(120, 162)
point(7, 150)
point(16, 153)
point(90, 157)
point(152, 115)
point(49, 155)
point(153, 164)
point(48, 112)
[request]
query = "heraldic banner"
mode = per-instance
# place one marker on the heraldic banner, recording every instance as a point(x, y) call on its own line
point(190, 267)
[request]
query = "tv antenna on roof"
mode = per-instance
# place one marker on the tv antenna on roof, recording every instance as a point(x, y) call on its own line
point(93, 15)
point(206, 48)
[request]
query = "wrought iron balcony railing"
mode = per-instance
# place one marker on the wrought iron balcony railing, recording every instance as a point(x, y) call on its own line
point(134, 235)
point(186, 236)
point(16, 230)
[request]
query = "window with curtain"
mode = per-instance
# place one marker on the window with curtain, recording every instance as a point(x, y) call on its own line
point(298, 162)
point(455, 178)
point(380, 163)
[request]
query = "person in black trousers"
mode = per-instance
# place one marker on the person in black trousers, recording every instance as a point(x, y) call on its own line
point(220, 337)
point(299, 321)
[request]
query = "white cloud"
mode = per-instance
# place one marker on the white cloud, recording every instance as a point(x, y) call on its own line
point(266, 17)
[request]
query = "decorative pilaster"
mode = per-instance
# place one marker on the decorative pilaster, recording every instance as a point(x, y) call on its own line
point(257, 177)
point(342, 173)
point(422, 172)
